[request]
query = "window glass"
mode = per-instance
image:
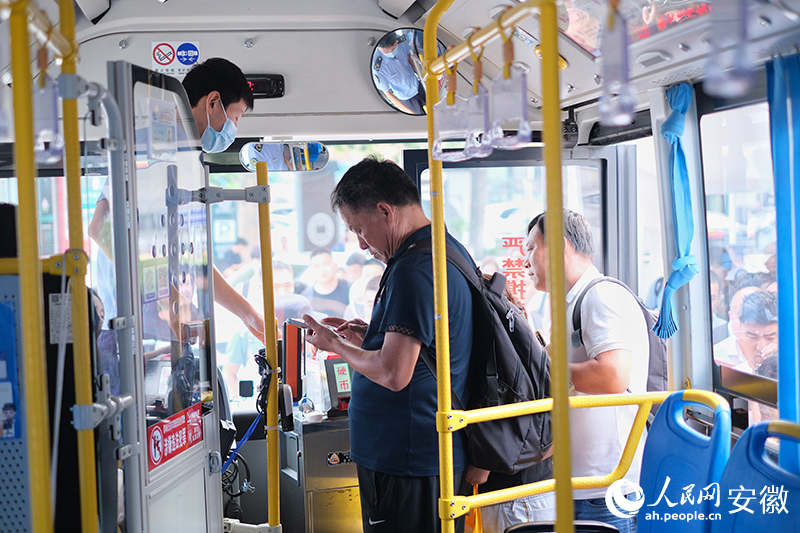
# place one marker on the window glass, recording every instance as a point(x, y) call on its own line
point(488, 210)
point(649, 238)
point(740, 216)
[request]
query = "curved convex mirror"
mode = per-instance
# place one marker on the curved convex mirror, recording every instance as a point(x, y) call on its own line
point(396, 70)
point(292, 157)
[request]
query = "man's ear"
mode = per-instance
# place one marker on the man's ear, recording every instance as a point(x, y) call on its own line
point(213, 99)
point(386, 210)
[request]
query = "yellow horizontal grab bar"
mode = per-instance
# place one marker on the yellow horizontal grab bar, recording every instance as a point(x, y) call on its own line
point(455, 420)
point(784, 427)
point(463, 505)
point(704, 397)
point(507, 21)
point(50, 265)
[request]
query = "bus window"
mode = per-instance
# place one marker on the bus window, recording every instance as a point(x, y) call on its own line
point(488, 209)
point(650, 262)
point(740, 217)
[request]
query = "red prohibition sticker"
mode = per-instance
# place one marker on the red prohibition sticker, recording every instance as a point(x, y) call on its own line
point(169, 437)
point(163, 54)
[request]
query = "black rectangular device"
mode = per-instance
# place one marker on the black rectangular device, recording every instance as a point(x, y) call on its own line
point(293, 356)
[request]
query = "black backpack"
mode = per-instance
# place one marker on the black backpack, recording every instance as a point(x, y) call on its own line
point(508, 365)
point(657, 379)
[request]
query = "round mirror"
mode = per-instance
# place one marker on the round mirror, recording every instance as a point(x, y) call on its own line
point(397, 70)
point(293, 157)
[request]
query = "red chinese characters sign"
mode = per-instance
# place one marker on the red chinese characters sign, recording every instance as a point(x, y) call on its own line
point(513, 268)
point(342, 377)
point(171, 436)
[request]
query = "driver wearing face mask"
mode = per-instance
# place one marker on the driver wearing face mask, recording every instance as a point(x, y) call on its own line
point(219, 95)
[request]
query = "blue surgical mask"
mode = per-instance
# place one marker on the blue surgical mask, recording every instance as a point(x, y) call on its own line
point(392, 53)
point(218, 141)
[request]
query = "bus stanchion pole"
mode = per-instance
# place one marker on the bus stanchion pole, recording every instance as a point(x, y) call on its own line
point(30, 276)
point(446, 488)
point(270, 339)
point(87, 478)
point(556, 278)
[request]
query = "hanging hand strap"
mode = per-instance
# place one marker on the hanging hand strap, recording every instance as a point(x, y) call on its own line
point(685, 265)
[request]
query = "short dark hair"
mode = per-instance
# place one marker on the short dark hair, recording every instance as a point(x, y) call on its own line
point(280, 265)
point(8, 406)
point(761, 307)
point(355, 259)
point(751, 279)
point(320, 251)
point(768, 368)
point(388, 40)
point(373, 261)
point(576, 230)
point(217, 74)
point(371, 181)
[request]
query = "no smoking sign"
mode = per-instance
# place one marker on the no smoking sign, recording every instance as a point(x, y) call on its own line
point(175, 58)
point(163, 54)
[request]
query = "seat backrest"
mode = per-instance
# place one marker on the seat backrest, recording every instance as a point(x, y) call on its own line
point(690, 461)
point(757, 493)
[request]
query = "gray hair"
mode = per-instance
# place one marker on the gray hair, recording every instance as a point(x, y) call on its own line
point(576, 230)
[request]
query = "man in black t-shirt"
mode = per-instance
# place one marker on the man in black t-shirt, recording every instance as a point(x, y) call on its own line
point(329, 294)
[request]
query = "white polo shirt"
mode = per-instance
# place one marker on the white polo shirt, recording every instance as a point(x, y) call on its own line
point(611, 319)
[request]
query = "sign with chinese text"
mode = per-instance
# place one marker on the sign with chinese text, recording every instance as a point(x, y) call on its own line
point(171, 436)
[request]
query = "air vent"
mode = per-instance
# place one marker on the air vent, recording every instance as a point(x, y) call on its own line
point(690, 74)
point(650, 59)
point(788, 46)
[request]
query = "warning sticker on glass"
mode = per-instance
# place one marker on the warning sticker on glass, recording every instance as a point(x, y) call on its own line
point(163, 138)
point(59, 323)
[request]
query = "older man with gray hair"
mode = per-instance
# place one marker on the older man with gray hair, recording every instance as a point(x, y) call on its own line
point(612, 359)
point(392, 411)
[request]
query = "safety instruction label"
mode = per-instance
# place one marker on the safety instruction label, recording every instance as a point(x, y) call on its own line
point(174, 58)
point(163, 131)
point(171, 436)
point(60, 305)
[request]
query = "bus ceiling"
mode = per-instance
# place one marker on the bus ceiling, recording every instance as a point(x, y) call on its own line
point(325, 54)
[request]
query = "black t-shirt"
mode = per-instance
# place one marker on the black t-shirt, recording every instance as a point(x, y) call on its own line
point(332, 304)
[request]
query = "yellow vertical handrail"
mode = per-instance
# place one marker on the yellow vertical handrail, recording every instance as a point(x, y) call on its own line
point(556, 279)
point(271, 348)
point(554, 235)
point(30, 276)
point(446, 486)
point(87, 478)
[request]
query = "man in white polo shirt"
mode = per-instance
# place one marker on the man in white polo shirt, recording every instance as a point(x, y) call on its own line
point(612, 360)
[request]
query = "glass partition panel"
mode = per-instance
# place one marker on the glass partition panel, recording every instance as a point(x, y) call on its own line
point(172, 250)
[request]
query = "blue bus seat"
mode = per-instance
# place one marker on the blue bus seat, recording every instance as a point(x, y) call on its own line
point(753, 481)
point(581, 526)
point(691, 461)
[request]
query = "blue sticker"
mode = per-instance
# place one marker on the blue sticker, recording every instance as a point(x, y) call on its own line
point(187, 54)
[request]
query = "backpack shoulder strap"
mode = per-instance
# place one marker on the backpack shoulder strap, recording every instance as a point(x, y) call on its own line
point(577, 336)
point(455, 258)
